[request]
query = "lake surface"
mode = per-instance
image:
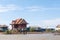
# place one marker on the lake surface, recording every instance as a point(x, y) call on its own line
point(30, 37)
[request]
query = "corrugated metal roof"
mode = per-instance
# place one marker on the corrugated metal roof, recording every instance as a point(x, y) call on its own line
point(3, 26)
point(19, 21)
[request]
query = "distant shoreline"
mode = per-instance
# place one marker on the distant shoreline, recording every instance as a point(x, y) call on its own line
point(33, 33)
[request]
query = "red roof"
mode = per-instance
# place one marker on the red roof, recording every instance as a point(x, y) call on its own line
point(19, 21)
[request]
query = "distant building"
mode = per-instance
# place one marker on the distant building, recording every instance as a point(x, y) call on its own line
point(18, 24)
point(35, 29)
point(3, 28)
point(39, 29)
point(58, 27)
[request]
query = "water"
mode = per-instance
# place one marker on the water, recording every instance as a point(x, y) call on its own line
point(30, 37)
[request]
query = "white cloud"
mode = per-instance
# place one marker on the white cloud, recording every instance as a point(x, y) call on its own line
point(52, 22)
point(40, 8)
point(34, 8)
point(10, 7)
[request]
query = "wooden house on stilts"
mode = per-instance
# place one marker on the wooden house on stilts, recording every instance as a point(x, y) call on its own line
point(19, 24)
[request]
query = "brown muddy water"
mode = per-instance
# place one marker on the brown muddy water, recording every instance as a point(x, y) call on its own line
point(48, 36)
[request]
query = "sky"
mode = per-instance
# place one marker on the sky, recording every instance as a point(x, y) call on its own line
point(41, 13)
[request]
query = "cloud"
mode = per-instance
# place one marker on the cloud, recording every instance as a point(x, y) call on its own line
point(51, 23)
point(39, 8)
point(34, 8)
point(10, 7)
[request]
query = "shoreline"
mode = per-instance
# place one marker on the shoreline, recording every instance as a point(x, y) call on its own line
point(3, 33)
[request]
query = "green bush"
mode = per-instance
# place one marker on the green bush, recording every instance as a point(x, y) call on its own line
point(31, 29)
point(8, 32)
point(14, 31)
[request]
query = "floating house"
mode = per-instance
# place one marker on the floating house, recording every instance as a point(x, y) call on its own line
point(18, 24)
point(3, 28)
point(58, 27)
point(39, 29)
point(35, 29)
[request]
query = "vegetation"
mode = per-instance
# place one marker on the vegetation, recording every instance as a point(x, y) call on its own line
point(11, 32)
point(50, 30)
point(31, 29)
point(8, 32)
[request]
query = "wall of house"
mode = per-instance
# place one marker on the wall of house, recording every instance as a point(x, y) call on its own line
point(22, 26)
point(3, 29)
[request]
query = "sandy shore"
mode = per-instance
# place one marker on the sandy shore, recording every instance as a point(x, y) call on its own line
point(30, 37)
